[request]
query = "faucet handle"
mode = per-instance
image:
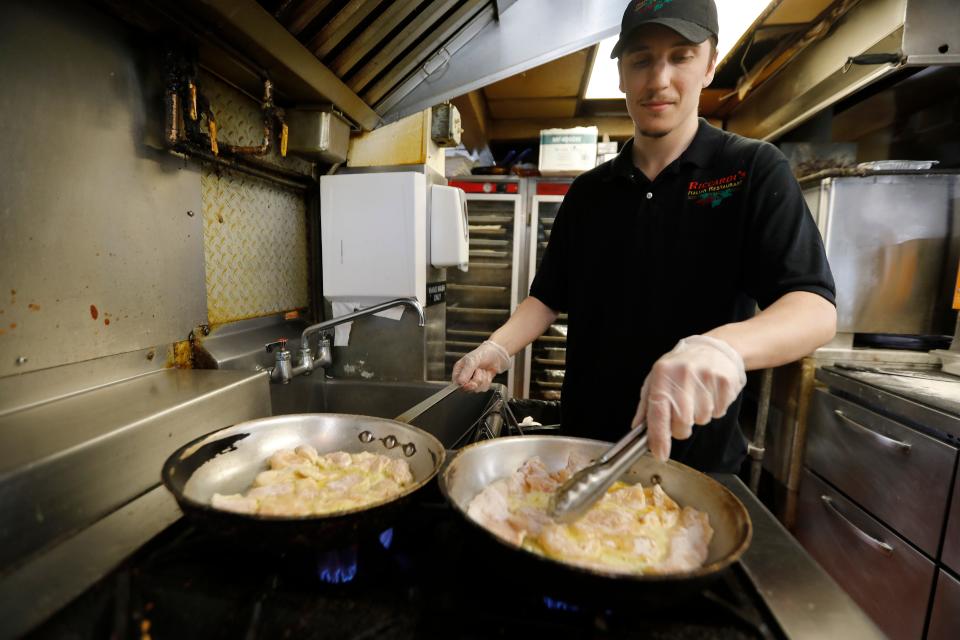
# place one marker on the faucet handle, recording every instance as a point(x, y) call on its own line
point(282, 343)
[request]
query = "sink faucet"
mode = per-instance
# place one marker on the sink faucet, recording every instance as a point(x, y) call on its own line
point(284, 370)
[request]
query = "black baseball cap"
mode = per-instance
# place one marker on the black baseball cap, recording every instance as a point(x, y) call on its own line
point(695, 20)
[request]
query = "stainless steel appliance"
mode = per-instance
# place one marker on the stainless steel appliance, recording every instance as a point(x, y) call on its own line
point(893, 242)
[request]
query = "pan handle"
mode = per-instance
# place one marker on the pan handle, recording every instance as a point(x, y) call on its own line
point(414, 412)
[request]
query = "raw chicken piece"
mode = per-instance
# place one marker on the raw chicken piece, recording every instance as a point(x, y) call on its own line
point(344, 483)
point(536, 477)
point(284, 458)
point(272, 476)
point(490, 508)
point(688, 542)
point(340, 459)
point(399, 470)
point(307, 452)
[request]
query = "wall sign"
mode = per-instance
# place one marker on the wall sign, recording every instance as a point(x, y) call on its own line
point(436, 293)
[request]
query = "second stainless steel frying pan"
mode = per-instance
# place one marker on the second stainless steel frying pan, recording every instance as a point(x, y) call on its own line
point(477, 466)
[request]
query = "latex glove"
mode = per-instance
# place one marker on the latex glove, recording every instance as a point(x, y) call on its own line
point(475, 371)
point(692, 384)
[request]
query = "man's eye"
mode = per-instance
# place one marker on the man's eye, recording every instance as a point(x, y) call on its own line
point(640, 63)
point(686, 58)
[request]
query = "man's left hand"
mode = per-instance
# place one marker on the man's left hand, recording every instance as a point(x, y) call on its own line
point(692, 384)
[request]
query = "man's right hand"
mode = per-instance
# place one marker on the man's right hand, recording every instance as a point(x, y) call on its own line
point(475, 371)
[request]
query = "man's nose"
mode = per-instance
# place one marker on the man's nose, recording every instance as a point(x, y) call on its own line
point(659, 76)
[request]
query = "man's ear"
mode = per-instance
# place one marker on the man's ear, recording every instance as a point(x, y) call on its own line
point(620, 74)
point(711, 69)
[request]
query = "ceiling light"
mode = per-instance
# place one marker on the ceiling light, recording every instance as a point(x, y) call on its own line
point(604, 78)
point(736, 16)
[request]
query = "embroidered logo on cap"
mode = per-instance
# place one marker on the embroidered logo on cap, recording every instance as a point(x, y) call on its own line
point(712, 193)
point(650, 5)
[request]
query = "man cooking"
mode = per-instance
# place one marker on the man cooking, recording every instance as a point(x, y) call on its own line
point(660, 256)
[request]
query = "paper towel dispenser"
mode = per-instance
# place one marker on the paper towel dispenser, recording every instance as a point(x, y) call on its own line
point(449, 230)
point(374, 236)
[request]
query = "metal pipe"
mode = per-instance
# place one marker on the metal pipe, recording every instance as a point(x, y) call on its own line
point(279, 177)
point(172, 129)
point(178, 144)
point(192, 88)
point(757, 448)
point(269, 114)
point(808, 369)
point(350, 317)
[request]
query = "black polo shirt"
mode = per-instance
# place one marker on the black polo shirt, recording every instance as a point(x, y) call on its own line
point(638, 265)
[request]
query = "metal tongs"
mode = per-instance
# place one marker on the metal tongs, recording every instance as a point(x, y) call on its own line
point(588, 485)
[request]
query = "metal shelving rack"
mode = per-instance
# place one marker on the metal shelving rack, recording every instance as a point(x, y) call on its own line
point(482, 299)
point(510, 222)
point(545, 360)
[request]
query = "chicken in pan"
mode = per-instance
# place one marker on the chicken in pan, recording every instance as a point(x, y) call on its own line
point(301, 482)
point(631, 529)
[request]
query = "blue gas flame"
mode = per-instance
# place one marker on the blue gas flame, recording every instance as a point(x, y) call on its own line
point(559, 605)
point(339, 574)
point(386, 538)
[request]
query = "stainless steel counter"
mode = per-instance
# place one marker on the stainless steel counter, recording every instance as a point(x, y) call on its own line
point(805, 601)
point(79, 477)
point(932, 403)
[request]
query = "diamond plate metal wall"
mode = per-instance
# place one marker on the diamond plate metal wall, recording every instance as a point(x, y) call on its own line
point(255, 245)
point(255, 233)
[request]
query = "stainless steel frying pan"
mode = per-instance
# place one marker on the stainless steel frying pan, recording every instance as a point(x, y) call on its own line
point(473, 468)
point(228, 460)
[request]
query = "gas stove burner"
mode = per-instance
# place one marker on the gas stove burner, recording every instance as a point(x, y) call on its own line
point(338, 567)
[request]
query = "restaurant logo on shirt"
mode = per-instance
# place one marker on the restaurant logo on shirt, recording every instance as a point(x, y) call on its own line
point(650, 5)
point(712, 193)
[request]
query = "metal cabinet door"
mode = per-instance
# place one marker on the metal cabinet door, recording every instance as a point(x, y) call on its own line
point(951, 543)
point(945, 617)
point(896, 473)
point(888, 578)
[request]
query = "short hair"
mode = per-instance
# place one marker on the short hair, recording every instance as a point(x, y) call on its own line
point(713, 47)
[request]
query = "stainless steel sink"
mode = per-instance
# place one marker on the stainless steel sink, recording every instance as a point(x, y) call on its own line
point(448, 421)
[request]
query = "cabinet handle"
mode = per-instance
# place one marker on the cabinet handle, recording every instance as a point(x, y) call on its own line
point(879, 545)
point(882, 439)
